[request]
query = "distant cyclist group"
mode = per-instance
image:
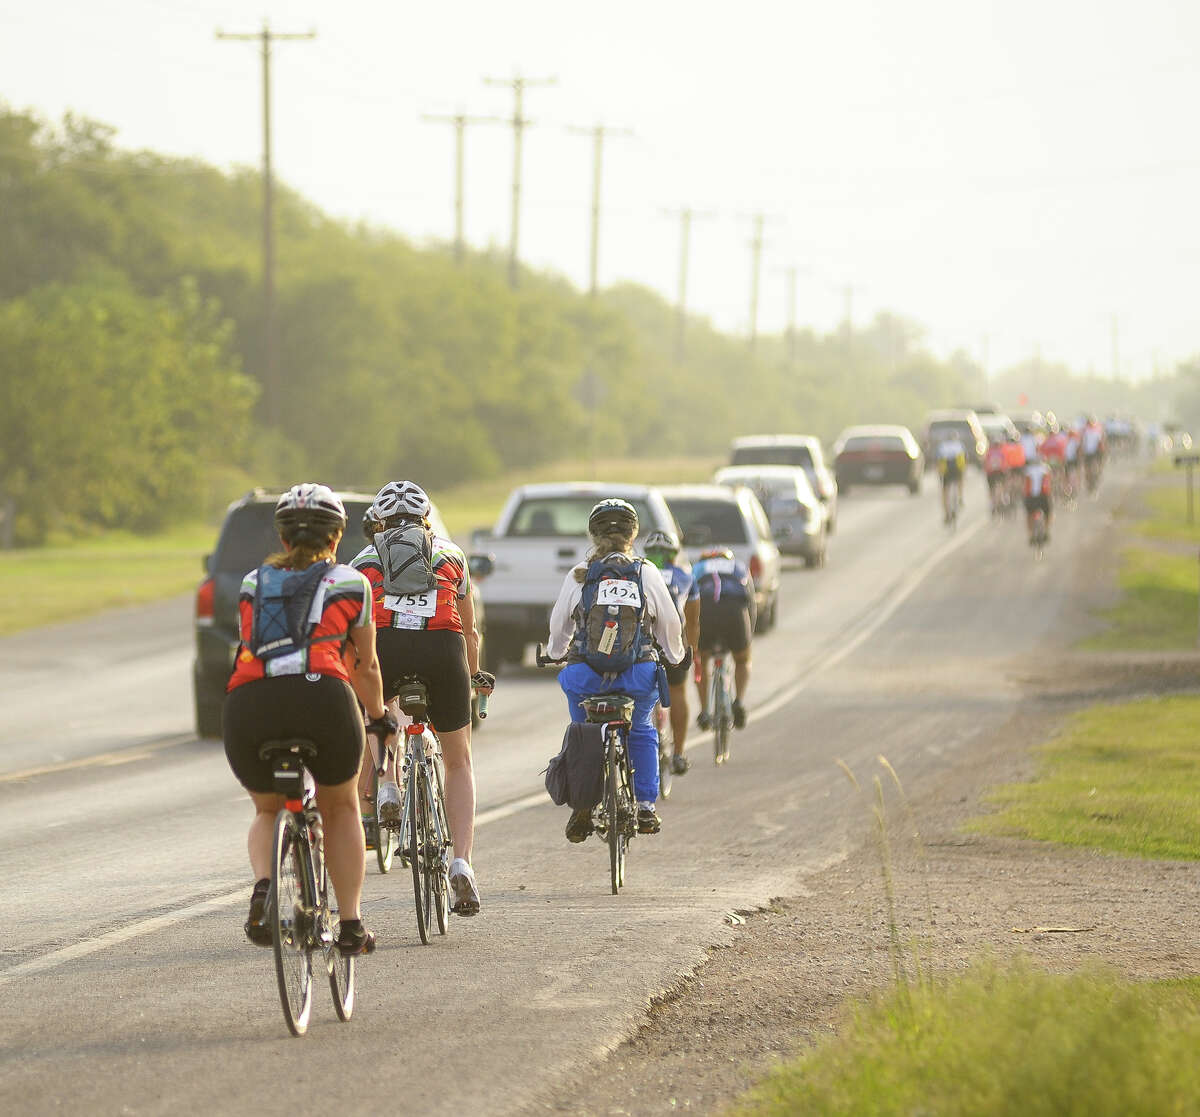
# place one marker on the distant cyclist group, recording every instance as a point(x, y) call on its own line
point(325, 648)
point(1035, 469)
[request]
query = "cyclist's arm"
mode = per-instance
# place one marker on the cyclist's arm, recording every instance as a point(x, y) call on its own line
point(466, 613)
point(667, 629)
point(365, 676)
point(562, 617)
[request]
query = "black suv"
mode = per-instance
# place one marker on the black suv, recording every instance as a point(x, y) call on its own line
point(247, 536)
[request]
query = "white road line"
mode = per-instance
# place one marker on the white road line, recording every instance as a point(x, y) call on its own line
point(157, 923)
point(104, 760)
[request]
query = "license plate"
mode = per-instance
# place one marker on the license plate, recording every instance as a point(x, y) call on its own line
point(873, 472)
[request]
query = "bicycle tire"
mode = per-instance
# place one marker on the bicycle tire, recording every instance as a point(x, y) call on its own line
point(386, 839)
point(339, 966)
point(416, 840)
point(442, 843)
point(666, 750)
point(612, 805)
point(291, 912)
point(721, 713)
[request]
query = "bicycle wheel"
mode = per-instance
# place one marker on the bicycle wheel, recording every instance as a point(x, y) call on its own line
point(666, 750)
point(719, 704)
point(339, 967)
point(440, 834)
point(612, 806)
point(292, 912)
point(417, 842)
point(386, 839)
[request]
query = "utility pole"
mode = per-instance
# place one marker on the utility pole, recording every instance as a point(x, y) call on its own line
point(791, 314)
point(598, 134)
point(460, 122)
point(985, 344)
point(756, 247)
point(519, 124)
point(271, 372)
point(686, 216)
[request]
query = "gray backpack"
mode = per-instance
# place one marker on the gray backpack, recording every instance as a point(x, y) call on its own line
point(406, 555)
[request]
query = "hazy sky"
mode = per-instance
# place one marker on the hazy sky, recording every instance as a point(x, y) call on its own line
point(1019, 170)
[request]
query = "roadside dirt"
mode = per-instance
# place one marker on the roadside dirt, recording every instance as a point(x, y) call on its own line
point(785, 980)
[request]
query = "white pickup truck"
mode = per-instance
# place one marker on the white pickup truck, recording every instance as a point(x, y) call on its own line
point(540, 535)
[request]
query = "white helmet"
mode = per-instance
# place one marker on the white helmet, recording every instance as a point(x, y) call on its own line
point(309, 507)
point(400, 498)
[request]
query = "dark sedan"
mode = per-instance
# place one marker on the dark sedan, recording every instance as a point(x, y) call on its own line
point(878, 456)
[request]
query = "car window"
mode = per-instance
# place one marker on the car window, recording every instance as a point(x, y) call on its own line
point(773, 455)
point(565, 516)
point(760, 517)
point(861, 442)
point(719, 520)
point(249, 535)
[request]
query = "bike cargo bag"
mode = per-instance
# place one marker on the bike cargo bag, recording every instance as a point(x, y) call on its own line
point(406, 555)
point(576, 775)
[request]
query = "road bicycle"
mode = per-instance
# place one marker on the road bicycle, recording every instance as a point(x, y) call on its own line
point(1038, 534)
point(720, 702)
point(422, 831)
point(666, 750)
point(385, 840)
point(952, 502)
point(614, 818)
point(299, 913)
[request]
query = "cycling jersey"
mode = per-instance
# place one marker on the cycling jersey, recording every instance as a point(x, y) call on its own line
point(1054, 448)
point(436, 608)
point(951, 459)
point(681, 584)
point(1037, 480)
point(720, 578)
point(1071, 451)
point(996, 459)
point(1015, 455)
point(1029, 444)
point(342, 602)
point(1093, 440)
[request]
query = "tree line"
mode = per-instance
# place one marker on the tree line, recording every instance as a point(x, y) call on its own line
point(130, 346)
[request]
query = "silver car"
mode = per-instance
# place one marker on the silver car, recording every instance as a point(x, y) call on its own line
point(720, 516)
point(799, 521)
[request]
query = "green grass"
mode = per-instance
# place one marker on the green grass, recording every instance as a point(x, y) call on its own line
point(1168, 513)
point(1123, 778)
point(67, 580)
point(1007, 1042)
point(1158, 608)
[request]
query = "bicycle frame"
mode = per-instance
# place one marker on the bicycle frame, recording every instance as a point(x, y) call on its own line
point(720, 704)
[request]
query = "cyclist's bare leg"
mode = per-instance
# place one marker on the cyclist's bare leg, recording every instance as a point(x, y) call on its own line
point(741, 673)
point(344, 850)
point(679, 716)
point(702, 685)
point(460, 789)
point(262, 832)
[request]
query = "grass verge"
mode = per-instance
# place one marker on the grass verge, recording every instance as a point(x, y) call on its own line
point(67, 580)
point(1124, 778)
point(1158, 605)
point(1002, 1042)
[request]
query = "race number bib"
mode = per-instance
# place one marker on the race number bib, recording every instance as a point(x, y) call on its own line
point(290, 664)
point(420, 605)
point(618, 591)
point(719, 566)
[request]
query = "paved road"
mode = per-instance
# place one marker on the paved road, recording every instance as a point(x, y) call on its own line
point(126, 985)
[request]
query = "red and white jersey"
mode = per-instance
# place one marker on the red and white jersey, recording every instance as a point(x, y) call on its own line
point(996, 458)
point(1053, 447)
point(1037, 480)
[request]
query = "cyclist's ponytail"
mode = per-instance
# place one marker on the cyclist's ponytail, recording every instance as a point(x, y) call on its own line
point(610, 542)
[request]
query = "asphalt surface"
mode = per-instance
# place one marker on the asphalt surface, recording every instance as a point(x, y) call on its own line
point(126, 985)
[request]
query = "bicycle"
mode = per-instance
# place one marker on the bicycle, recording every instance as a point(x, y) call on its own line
point(1038, 536)
point(422, 833)
point(666, 750)
point(384, 840)
point(952, 499)
point(615, 816)
point(298, 907)
point(720, 703)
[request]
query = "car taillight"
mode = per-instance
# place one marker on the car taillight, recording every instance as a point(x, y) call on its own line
point(755, 567)
point(204, 601)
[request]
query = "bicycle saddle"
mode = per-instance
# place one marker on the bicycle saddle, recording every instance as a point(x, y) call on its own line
point(413, 694)
point(295, 746)
point(608, 707)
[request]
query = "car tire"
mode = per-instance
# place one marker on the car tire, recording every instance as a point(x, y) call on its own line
point(208, 714)
point(914, 488)
point(505, 648)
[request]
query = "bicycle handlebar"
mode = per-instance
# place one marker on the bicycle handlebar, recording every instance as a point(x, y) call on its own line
point(545, 660)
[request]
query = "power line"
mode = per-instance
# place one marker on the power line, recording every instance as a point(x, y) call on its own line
point(460, 122)
point(271, 379)
point(598, 134)
point(518, 84)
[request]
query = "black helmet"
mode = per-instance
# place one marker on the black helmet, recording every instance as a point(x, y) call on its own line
point(613, 515)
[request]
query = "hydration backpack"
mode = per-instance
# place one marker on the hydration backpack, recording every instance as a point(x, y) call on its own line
point(287, 607)
point(611, 632)
point(406, 555)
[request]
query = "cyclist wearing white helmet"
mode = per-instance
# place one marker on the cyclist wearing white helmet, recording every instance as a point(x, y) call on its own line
point(662, 548)
point(299, 611)
point(612, 525)
point(432, 634)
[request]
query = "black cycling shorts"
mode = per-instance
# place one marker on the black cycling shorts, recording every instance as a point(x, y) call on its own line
point(725, 623)
point(1033, 503)
point(321, 709)
point(677, 673)
point(952, 474)
point(440, 658)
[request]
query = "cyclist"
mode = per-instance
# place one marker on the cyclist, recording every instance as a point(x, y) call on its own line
point(951, 459)
point(612, 526)
point(662, 549)
point(1038, 483)
point(1093, 447)
point(1053, 452)
point(727, 616)
point(434, 636)
point(1071, 460)
point(995, 468)
point(307, 693)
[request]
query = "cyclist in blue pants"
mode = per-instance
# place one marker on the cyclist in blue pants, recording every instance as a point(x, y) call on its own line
point(650, 612)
